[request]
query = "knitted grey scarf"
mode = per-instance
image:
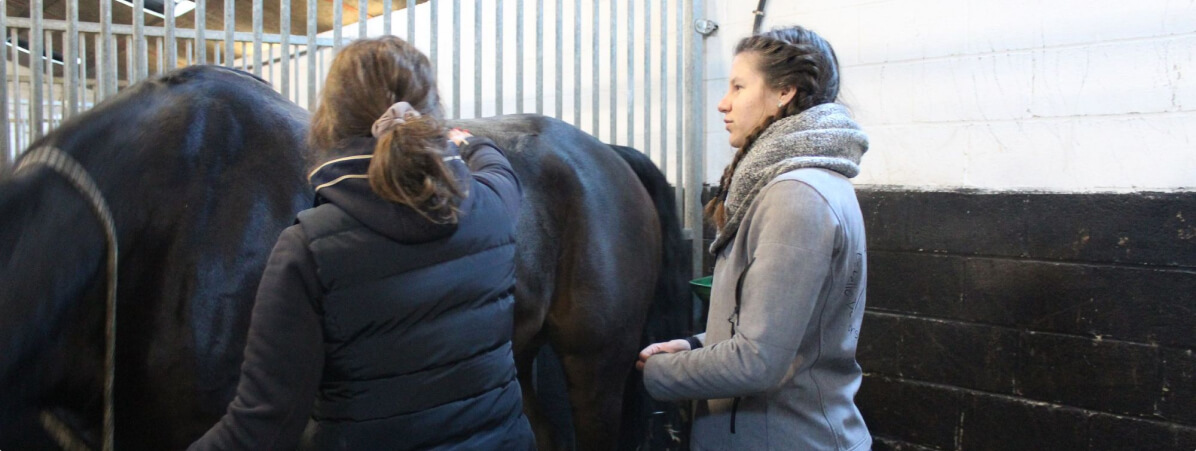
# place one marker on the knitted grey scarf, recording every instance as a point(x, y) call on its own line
point(824, 136)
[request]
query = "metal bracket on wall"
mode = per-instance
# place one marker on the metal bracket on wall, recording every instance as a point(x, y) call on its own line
point(705, 27)
point(759, 13)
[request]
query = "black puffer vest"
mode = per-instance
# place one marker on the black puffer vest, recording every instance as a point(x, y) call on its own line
point(417, 333)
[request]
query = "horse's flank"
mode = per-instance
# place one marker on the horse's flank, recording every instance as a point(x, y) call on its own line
point(198, 201)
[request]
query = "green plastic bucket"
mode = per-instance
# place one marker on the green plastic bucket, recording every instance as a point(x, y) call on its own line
point(701, 287)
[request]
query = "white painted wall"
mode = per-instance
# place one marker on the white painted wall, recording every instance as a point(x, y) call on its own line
point(1058, 95)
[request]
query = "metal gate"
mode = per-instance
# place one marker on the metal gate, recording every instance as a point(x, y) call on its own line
point(627, 71)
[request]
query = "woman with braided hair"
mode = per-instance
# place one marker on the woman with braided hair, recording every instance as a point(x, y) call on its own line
point(776, 367)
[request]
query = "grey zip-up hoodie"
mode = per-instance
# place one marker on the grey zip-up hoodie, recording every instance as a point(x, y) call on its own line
point(778, 368)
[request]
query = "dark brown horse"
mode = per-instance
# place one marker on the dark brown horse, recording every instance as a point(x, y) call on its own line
point(202, 169)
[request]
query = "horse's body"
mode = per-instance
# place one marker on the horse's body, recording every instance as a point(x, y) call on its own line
point(203, 168)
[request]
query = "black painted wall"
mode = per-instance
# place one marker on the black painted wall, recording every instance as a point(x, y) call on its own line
point(1021, 321)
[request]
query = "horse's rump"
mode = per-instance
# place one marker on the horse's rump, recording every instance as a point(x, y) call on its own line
point(201, 168)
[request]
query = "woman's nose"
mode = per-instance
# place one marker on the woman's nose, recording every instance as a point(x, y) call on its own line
point(724, 105)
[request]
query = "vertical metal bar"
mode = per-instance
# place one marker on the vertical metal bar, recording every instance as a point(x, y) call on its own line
point(363, 17)
point(477, 59)
point(49, 36)
point(594, 91)
point(101, 59)
point(141, 53)
point(295, 75)
point(338, 11)
point(161, 52)
point(70, 66)
point(539, 56)
point(647, 79)
point(230, 26)
point(244, 57)
point(311, 54)
point(257, 38)
point(8, 148)
point(693, 130)
point(201, 38)
point(216, 58)
point(36, 52)
point(411, 21)
point(498, 63)
point(130, 71)
point(81, 80)
point(106, 57)
point(435, 24)
point(519, 56)
point(577, 63)
point(678, 131)
point(284, 31)
point(630, 73)
point(560, 65)
point(16, 92)
point(457, 59)
point(664, 89)
point(614, 71)
point(172, 45)
point(387, 8)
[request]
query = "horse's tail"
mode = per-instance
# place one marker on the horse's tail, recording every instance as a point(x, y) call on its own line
point(669, 314)
point(666, 320)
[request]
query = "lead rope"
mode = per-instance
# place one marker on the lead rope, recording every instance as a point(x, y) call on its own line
point(74, 173)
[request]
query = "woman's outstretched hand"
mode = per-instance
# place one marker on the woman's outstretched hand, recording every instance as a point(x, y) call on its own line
point(458, 136)
point(667, 347)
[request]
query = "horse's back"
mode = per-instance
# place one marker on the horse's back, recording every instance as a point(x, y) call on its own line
point(202, 167)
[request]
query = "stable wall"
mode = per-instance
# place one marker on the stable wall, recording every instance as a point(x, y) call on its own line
point(1065, 96)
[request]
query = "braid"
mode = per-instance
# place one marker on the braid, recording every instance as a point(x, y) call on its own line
point(788, 57)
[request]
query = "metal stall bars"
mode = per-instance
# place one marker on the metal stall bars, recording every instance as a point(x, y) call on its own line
point(657, 95)
point(39, 93)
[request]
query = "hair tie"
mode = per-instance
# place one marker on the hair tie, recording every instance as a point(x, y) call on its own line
point(396, 115)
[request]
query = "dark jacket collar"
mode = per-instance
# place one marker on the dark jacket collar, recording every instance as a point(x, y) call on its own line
point(343, 182)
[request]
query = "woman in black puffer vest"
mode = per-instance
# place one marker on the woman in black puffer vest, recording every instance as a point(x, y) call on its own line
point(385, 315)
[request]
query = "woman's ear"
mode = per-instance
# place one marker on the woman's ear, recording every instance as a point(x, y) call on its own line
point(787, 93)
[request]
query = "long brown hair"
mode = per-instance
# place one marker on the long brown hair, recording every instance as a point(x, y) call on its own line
point(787, 57)
point(365, 79)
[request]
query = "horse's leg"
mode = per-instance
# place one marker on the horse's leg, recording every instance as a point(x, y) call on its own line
point(596, 392)
point(525, 363)
point(532, 298)
point(597, 329)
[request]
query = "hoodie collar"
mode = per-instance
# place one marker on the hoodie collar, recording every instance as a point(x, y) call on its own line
point(344, 182)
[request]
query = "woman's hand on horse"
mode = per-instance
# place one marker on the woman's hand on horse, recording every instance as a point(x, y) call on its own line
point(458, 136)
point(667, 347)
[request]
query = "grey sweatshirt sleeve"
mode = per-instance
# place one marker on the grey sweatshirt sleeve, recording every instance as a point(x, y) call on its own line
point(791, 239)
point(284, 356)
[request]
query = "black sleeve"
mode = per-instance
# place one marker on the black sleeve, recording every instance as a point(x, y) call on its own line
point(491, 168)
point(284, 356)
